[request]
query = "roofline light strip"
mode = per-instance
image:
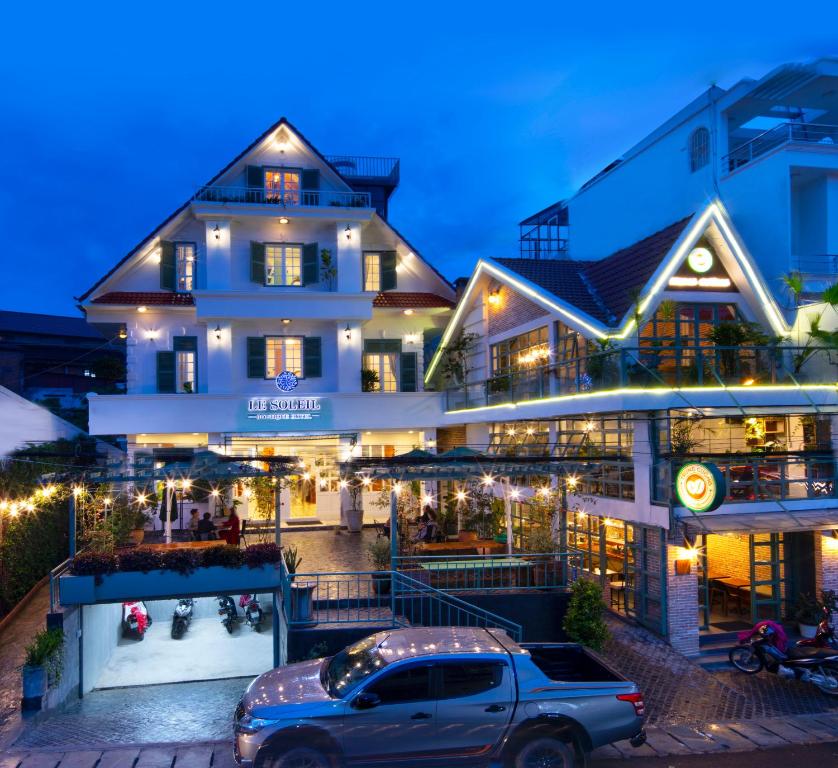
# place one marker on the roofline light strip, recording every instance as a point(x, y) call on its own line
point(648, 390)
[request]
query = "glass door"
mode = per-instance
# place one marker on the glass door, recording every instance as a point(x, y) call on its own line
point(767, 567)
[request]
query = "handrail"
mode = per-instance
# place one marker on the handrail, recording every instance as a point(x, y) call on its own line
point(366, 167)
point(297, 198)
point(785, 133)
point(55, 584)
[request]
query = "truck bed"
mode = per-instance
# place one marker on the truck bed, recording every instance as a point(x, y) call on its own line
point(570, 663)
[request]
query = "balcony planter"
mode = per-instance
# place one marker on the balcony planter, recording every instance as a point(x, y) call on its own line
point(354, 520)
point(154, 585)
point(34, 687)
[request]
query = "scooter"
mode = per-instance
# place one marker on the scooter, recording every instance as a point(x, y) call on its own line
point(824, 634)
point(181, 617)
point(818, 666)
point(135, 619)
point(227, 611)
point(253, 612)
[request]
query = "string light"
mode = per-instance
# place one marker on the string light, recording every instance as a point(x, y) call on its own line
point(187, 484)
point(488, 480)
point(107, 501)
point(247, 493)
point(365, 480)
point(545, 491)
point(397, 488)
point(461, 495)
point(514, 493)
point(572, 482)
point(141, 498)
point(306, 476)
point(426, 499)
point(215, 493)
point(170, 484)
point(344, 484)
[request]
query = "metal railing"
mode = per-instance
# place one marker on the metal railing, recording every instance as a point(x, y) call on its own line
point(298, 198)
point(786, 133)
point(385, 599)
point(487, 573)
point(759, 478)
point(366, 167)
point(55, 584)
point(653, 366)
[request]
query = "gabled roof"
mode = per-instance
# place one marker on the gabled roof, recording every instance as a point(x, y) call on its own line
point(283, 121)
point(410, 300)
point(48, 325)
point(146, 298)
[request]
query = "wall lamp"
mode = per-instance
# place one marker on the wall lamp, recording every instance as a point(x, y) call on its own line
point(216, 230)
point(348, 232)
point(218, 332)
point(348, 332)
point(283, 219)
point(494, 298)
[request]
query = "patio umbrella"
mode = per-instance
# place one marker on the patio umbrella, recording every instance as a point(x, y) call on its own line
point(461, 452)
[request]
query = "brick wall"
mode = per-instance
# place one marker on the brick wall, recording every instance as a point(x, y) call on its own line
point(514, 310)
point(682, 606)
point(450, 437)
point(828, 571)
point(729, 555)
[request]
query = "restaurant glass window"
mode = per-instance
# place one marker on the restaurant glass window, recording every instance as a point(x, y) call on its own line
point(282, 186)
point(594, 436)
point(520, 438)
point(283, 264)
point(283, 353)
point(686, 324)
point(520, 352)
point(185, 265)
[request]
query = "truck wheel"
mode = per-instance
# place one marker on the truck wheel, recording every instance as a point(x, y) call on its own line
point(545, 752)
point(300, 757)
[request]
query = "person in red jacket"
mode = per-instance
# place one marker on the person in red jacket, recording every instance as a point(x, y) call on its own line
point(232, 527)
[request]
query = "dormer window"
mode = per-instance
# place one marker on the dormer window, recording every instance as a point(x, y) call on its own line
point(185, 263)
point(379, 270)
point(282, 186)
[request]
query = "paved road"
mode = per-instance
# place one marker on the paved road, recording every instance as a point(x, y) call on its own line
point(810, 756)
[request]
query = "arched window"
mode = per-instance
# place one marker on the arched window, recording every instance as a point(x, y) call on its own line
point(699, 148)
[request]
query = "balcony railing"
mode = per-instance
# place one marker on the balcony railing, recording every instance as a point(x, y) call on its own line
point(385, 169)
point(299, 198)
point(647, 367)
point(786, 133)
point(779, 477)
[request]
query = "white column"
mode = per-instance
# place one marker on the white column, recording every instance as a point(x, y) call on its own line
point(350, 270)
point(218, 272)
point(350, 347)
point(219, 367)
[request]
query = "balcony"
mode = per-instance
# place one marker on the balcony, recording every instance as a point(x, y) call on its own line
point(381, 170)
point(301, 198)
point(802, 134)
point(644, 368)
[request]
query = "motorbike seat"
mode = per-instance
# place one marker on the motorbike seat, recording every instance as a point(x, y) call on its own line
point(810, 652)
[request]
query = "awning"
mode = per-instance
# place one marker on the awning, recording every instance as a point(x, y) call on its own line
point(818, 514)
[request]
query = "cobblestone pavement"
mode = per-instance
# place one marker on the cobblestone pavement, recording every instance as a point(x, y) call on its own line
point(326, 551)
point(679, 692)
point(13, 642)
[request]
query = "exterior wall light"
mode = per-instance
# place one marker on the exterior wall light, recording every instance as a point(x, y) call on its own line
point(123, 334)
point(142, 308)
point(348, 332)
point(348, 232)
point(407, 312)
point(494, 298)
point(283, 219)
point(216, 230)
point(218, 332)
point(286, 320)
point(683, 566)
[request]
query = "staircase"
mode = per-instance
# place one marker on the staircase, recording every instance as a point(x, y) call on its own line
point(713, 650)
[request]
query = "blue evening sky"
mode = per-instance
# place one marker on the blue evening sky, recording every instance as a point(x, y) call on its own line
point(111, 113)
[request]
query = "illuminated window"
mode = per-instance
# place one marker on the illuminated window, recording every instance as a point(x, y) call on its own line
point(283, 264)
point(385, 364)
point(523, 351)
point(699, 149)
point(283, 353)
point(372, 271)
point(185, 261)
point(185, 371)
point(282, 186)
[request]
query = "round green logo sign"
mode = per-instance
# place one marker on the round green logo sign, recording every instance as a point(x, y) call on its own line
point(700, 487)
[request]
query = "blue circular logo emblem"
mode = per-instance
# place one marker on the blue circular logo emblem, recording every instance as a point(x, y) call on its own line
point(286, 381)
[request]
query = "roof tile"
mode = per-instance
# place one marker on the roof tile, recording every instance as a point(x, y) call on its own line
point(410, 300)
point(146, 298)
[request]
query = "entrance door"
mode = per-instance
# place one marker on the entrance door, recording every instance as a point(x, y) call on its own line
point(767, 574)
point(800, 566)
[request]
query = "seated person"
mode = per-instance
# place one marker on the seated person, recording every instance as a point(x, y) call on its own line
point(205, 530)
point(233, 528)
point(194, 520)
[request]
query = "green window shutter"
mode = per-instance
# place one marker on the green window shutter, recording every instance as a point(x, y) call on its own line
point(167, 265)
point(312, 357)
point(311, 269)
point(311, 179)
point(185, 343)
point(166, 372)
point(388, 270)
point(257, 262)
point(255, 357)
point(255, 177)
point(409, 364)
point(382, 346)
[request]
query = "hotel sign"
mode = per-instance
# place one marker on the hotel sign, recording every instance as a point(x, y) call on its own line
point(701, 270)
point(287, 411)
point(700, 487)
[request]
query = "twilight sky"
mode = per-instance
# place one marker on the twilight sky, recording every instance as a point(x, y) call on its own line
point(111, 113)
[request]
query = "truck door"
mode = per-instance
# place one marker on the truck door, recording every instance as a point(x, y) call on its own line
point(401, 725)
point(475, 703)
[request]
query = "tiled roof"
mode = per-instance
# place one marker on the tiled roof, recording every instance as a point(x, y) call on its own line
point(410, 300)
point(47, 325)
point(146, 298)
point(604, 289)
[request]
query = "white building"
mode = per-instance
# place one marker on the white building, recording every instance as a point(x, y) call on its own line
point(766, 148)
point(253, 309)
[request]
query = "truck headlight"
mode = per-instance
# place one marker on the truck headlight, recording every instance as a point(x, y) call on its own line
point(249, 724)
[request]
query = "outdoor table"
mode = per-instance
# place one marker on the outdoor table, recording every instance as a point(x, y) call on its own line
point(185, 545)
point(739, 588)
point(489, 547)
point(478, 567)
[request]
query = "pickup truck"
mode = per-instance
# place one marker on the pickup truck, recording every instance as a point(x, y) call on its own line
point(444, 696)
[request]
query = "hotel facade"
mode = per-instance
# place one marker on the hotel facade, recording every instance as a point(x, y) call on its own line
point(278, 312)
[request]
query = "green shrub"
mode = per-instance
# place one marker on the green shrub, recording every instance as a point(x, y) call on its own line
point(583, 621)
point(226, 555)
point(47, 650)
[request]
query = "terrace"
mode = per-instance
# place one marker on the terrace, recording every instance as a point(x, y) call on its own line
point(292, 198)
point(809, 135)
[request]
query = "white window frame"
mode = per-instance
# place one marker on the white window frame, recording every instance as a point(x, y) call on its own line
point(283, 265)
point(376, 255)
point(283, 340)
point(295, 195)
point(185, 267)
point(376, 361)
point(185, 360)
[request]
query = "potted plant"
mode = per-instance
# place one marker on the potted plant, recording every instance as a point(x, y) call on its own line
point(378, 553)
point(808, 611)
point(137, 533)
point(583, 621)
point(355, 514)
point(328, 269)
point(292, 561)
point(301, 593)
point(369, 380)
point(42, 666)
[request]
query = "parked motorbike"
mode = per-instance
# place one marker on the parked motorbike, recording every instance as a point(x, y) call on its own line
point(253, 612)
point(824, 635)
point(759, 650)
point(135, 619)
point(227, 611)
point(181, 617)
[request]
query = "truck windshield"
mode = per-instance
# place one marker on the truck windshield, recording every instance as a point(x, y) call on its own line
point(349, 668)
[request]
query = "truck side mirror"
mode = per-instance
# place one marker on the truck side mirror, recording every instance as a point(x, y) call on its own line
point(366, 701)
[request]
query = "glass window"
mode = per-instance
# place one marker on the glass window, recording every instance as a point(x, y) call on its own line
point(372, 271)
point(283, 264)
point(282, 186)
point(686, 324)
point(351, 666)
point(185, 371)
point(699, 149)
point(522, 351)
point(283, 353)
point(386, 365)
point(185, 266)
point(461, 680)
point(400, 687)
